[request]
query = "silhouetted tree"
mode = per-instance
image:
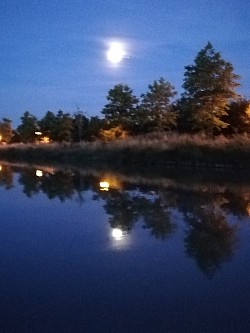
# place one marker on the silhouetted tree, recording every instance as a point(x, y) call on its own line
point(238, 117)
point(26, 130)
point(158, 113)
point(48, 125)
point(6, 130)
point(64, 126)
point(94, 127)
point(121, 107)
point(80, 127)
point(209, 87)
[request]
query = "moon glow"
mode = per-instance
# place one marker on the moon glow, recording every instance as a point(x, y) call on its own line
point(115, 53)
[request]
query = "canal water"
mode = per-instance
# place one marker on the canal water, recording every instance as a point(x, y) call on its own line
point(92, 251)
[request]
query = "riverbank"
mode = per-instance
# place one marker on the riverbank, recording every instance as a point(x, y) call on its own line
point(153, 152)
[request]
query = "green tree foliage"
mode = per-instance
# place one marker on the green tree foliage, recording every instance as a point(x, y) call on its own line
point(58, 127)
point(209, 87)
point(157, 111)
point(26, 130)
point(64, 126)
point(209, 104)
point(94, 127)
point(238, 117)
point(121, 107)
point(48, 125)
point(80, 127)
point(6, 130)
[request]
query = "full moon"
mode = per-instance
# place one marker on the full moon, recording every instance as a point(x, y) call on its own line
point(115, 53)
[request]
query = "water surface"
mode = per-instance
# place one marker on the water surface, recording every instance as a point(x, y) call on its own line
point(126, 255)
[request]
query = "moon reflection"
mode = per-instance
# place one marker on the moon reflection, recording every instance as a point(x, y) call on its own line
point(117, 233)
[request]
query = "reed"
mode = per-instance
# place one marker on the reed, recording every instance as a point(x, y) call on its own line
point(150, 151)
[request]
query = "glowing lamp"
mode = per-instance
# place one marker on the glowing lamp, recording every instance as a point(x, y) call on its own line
point(45, 139)
point(39, 173)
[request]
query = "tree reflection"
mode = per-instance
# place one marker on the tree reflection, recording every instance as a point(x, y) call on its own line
point(126, 209)
point(157, 218)
point(30, 182)
point(59, 185)
point(6, 177)
point(210, 239)
point(238, 203)
point(120, 207)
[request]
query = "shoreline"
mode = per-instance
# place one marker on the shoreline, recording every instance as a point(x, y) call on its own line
point(150, 154)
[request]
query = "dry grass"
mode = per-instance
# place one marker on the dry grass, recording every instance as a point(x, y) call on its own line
point(153, 150)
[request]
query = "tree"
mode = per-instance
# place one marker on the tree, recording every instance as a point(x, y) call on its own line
point(64, 126)
point(80, 126)
point(210, 239)
point(48, 125)
point(157, 111)
point(113, 133)
point(57, 127)
point(26, 130)
point(209, 87)
point(94, 127)
point(121, 107)
point(238, 117)
point(7, 177)
point(6, 131)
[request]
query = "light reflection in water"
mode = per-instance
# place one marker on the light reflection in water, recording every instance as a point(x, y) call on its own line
point(126, 206)
point(109, 181)
point(130, 236)
point(117, 233)
point(39, 173)
point(119, 239)
point(248, 209)
point(104, 186)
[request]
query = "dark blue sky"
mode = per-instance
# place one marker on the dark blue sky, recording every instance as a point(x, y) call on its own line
point(53, 53)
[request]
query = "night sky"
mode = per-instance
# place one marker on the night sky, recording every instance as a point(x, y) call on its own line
point(53, 53)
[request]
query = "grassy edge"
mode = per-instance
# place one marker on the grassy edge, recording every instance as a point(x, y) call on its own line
point(154, 152)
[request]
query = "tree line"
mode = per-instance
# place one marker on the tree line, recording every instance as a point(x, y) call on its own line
point(209, 105)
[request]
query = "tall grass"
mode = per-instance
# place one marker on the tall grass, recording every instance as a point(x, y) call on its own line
point(150, 151)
